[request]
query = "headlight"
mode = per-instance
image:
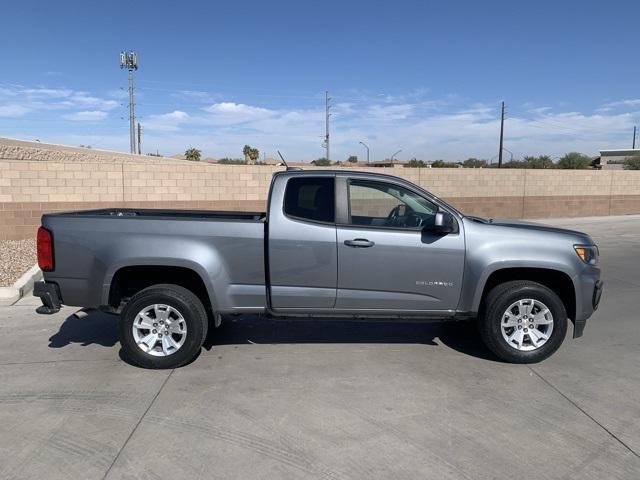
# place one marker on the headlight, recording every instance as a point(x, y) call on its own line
point(587, 253)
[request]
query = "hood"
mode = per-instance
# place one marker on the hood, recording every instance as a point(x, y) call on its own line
point(529, 226)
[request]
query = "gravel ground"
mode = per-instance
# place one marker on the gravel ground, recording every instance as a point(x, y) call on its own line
point(16, 257)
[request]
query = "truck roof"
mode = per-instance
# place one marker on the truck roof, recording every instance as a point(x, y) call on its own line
point(334, 171)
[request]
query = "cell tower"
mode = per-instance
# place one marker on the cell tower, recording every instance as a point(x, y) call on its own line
point(129, 60)
point(327, 106)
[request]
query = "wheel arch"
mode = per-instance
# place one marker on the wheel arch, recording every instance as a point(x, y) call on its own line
point(556, 280)
point(127, 280)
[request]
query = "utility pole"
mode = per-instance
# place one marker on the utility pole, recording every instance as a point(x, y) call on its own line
point(139, 139)
point(130, 62)
point(327, 103)
point(501, 136)
point(634, 137)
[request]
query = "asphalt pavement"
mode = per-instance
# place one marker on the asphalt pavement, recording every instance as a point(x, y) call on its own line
point(329, 399)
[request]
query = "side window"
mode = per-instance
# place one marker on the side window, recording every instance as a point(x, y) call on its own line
point(310, 198)
point(381, 204)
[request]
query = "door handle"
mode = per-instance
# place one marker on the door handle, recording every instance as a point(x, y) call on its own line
point(359, 243)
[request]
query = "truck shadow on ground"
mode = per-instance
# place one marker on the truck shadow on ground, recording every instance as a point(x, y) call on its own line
point(97, 328)
point(460, 336)
point(101, 329)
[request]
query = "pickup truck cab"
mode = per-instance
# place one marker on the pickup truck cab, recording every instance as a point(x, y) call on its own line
point(333, 243)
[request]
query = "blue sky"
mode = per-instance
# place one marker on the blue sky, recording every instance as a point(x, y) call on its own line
point(425, 77)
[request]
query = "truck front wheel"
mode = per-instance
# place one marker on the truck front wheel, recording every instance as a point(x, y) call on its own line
point(523, 322)
point(163, 326)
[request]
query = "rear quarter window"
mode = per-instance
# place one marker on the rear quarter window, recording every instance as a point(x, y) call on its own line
point(311, 199)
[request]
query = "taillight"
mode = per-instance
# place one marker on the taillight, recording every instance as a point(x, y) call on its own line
point(45, 250)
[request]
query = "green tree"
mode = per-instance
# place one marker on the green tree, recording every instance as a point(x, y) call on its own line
point(352, 159)
point(474, 163)
point(193, 154)
point(511, 164)
point(632, 162)
point(250, 154)
point(574, 161)
point(321, 162)
point(443, 164)
point(415, 163)
point(543, 161)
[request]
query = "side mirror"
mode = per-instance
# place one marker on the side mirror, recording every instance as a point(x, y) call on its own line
point(444, 223)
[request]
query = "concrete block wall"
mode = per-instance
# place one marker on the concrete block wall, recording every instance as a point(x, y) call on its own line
point(29, 188)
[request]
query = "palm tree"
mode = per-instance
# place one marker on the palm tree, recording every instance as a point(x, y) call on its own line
point(250, 154)
point(192, 154)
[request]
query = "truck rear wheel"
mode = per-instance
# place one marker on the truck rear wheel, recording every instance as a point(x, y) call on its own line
point(523, 322)
point(163, 326)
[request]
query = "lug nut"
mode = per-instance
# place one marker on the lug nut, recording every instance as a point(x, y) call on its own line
point(154, 331)
point(160, 335)
point(519, 321)
point(155, 324)
point(519, 327)
point(526, 329)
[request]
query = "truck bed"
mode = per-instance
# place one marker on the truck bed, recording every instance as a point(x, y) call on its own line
point(226, 249)
point(141, 213)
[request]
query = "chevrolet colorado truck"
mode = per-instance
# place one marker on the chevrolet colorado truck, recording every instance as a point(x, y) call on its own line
point(333, 243)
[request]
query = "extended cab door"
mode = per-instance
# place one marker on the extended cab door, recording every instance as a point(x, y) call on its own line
point(388, 260)
point(302, 253)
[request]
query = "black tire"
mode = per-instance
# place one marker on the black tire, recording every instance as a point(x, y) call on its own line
point(185, 302)
point(494, 307)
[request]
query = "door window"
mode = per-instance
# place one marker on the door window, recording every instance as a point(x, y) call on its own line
point(311, 198)
point(381, 204)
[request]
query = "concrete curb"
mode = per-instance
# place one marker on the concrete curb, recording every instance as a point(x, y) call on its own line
point(22, 286)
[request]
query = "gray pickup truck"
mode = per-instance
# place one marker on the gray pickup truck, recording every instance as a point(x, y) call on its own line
point(332, 244)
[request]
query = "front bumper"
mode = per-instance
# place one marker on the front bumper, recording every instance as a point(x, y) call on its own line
point(597, 294)
point(49, 294)
point(588, 294)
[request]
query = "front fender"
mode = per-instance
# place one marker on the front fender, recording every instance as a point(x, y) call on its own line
point(475, 282)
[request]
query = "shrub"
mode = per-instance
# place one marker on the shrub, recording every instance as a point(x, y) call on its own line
point(231, 161)
point(474, 163)
point(414, 163)
point(321, 162)
point(632, 162)
point(574, 161)
point(443, 164)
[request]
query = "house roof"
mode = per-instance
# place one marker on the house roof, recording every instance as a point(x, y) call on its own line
point(620, 152)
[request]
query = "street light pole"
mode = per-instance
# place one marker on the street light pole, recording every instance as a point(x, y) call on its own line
point(395, 154)
point(365, 146)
